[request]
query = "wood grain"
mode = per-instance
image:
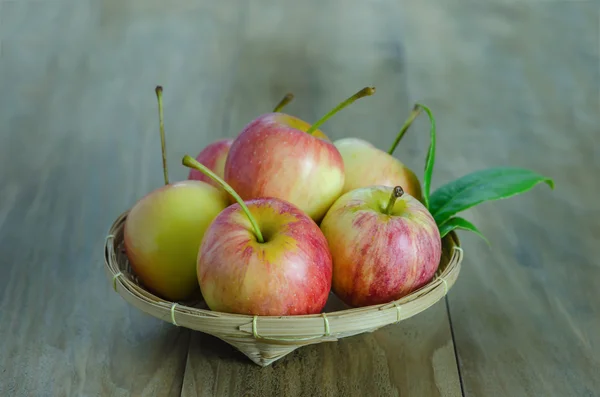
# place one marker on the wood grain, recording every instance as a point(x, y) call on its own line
point(78, 145)
point(525, 86)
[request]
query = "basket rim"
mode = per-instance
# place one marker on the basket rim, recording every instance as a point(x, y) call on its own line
point(324, 325)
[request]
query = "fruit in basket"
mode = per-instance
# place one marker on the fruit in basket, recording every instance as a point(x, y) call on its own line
point(262, 257)
point(365, 165)
point(384, 244)
point(214, 155)
point(164, 229)
point(275, 155)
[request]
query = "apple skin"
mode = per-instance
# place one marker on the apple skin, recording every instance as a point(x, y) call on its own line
point(212, 156)
point(302, 125)
point(377, 257)
point(163, 232)
point(272, 158)
point(288, 274)
point(365, 165)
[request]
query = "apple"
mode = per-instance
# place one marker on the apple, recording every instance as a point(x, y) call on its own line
point(275, 155)
point(214, 155)
point(384, 244)
point(365, 165)
point(262, 257)
point(164, 229)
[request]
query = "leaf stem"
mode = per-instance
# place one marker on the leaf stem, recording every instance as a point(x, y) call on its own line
point(163, 143)
point(430, 160)
point(367, 91)
point(396, 194)
point(411, 118)
point(284, 101)
point(190, 162)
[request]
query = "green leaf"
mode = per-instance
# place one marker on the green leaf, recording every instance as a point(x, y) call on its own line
point(480, 186)
point(460, 223)
point(429, 162)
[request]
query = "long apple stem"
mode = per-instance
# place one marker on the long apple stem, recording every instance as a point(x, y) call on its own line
point(190, 162)
point(396, 194)
point(367, 91)
point(284, 101)
point(163, 143)
point(413, 115)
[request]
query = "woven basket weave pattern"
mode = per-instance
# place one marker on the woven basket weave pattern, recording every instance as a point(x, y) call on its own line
point(267, 339)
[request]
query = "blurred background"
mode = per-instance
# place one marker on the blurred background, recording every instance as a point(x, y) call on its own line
point(513, 83)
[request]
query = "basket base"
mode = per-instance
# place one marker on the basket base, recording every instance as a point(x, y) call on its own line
point(267, 352)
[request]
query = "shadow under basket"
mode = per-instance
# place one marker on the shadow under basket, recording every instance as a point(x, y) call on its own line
point(265, 339)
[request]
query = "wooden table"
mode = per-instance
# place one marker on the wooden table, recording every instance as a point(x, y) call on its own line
point(511, 83)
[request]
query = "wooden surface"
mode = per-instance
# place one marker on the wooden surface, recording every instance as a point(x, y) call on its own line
point(511, 83)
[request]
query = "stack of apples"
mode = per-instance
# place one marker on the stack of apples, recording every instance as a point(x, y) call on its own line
point(273, 221)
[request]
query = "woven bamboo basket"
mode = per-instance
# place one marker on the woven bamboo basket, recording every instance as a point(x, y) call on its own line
point(266, 339)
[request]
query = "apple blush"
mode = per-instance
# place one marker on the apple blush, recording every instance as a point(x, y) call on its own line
point(384, 244)
point(263, 257)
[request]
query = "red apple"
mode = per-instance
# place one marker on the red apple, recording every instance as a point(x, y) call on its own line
point(365, 165)
point(384, 244)
point(276, 156)
point(164, 229)
point(213, 156)
point(263, 257)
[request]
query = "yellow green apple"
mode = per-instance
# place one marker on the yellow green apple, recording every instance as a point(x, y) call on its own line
point(164, 229)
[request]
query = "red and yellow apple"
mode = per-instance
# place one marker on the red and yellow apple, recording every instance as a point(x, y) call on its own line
point(384, 244)
point(272, 159)
point(263, 257)
point(215, 154)
point(275, 155)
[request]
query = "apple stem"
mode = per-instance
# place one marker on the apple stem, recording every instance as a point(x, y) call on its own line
point(367, 91)
point(396, 194)
point(190, 162)
point(163, 144)
point(413, 115)
point(284, 101)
